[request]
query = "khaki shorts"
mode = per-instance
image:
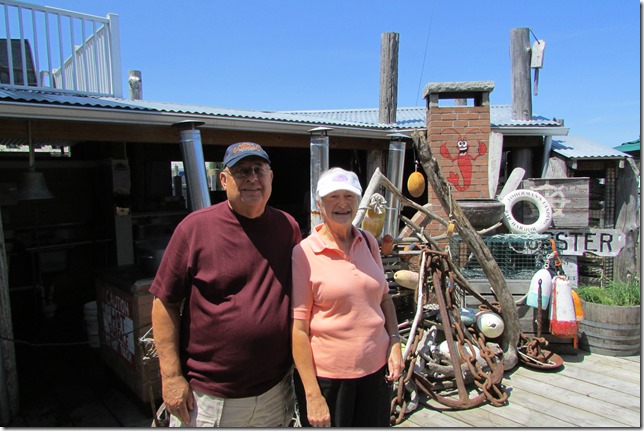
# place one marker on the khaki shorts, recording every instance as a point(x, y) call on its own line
point(273, 408)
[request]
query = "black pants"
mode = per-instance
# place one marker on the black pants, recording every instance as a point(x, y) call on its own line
point(362, 402)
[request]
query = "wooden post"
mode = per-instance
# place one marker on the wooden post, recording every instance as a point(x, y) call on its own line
point(510, 337)
point(388, 78)
point(136, 85)
point(388, 95)
point(8, 371)
point(628, 211)
point(520, 51)
point(520, 60)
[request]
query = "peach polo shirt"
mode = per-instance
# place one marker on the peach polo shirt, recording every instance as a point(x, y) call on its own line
point(340, 295)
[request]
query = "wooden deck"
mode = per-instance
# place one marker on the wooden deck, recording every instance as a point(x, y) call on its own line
point(70, 386)
point(590, 390)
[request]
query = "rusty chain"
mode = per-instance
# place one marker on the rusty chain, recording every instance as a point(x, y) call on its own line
point(486, 373)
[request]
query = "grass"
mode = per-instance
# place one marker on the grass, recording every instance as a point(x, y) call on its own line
point(620, 293)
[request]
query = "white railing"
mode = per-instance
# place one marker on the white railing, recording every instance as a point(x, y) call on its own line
point(63, 50)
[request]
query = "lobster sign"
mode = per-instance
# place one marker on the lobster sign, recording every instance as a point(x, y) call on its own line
point(464, 161)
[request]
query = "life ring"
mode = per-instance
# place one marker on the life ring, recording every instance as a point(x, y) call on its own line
point(543, 207)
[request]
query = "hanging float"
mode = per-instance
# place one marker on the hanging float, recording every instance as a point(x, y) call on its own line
point(542, 280)
point(563, 319)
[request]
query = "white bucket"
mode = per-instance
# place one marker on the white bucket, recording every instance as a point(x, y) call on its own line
point(91, 324)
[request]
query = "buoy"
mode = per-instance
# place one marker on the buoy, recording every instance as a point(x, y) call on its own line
point(579, 311)
point(387, 246)
point(543, 208)
point(374, 219)
point(406, 278)
point(444, 349)
point(468, 316)
point(490, 324)
point(563, 321)
point(544, 278)
point(416, 184)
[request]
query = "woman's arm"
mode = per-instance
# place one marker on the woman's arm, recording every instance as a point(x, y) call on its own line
point(317, 409)
point(394, 358)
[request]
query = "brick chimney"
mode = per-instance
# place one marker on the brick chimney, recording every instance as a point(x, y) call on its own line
point(459, 135)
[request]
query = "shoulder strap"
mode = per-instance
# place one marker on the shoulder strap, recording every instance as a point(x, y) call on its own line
point(364, 235)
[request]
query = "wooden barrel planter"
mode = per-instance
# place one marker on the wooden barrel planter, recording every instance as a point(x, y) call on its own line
point(610, 330)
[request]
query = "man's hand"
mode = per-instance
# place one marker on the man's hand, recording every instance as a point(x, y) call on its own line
point(178, 397)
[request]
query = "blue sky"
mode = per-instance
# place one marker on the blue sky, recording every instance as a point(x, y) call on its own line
point(301, 55)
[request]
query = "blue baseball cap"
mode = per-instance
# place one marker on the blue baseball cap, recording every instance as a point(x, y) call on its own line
point(238, 151)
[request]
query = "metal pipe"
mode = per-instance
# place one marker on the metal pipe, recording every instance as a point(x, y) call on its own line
point(395, 167)
point(194, 165)
point(546, 155)
point(319, 163)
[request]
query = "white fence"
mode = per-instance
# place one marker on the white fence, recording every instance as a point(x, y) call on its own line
point(63, 50)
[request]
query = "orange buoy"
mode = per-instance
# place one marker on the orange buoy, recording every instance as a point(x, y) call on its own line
point(579, 311)
point(387, 246)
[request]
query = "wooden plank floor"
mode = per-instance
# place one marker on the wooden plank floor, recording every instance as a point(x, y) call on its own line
point(69, 386)
point(590, 390)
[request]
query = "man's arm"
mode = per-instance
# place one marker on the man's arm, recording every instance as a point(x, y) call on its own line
point(177, 394)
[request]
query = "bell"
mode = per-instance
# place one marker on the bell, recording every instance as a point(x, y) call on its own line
point(32, 186)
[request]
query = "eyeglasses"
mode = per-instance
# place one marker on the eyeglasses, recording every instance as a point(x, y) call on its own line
point(243, 173)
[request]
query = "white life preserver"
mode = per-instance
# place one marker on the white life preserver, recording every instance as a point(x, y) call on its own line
point(543, 207)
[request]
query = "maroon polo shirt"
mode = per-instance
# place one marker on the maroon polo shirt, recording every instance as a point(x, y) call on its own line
point(235, 275)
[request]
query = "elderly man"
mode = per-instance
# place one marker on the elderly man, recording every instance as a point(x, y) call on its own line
point(221, 309)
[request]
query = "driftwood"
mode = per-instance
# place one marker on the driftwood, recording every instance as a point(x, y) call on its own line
point(510, 337)
point(379, 180)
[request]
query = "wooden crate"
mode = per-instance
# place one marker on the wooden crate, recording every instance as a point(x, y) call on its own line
point(124, 315)
point(568, 197)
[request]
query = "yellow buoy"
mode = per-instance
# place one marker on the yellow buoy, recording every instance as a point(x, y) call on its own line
point(416, 184)
point(406, 278)
point(374, 219)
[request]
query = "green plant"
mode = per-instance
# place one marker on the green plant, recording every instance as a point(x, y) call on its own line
point(621, 293)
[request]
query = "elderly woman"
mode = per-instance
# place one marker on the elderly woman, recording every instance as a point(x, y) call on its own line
point(346, 345)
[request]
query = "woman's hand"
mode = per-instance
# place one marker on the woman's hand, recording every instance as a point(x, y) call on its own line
point(395, 361)
point(318, 411)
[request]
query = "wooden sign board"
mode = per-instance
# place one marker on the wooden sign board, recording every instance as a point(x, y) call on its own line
point(600, 242)
point(569, 267)
point(568, 197)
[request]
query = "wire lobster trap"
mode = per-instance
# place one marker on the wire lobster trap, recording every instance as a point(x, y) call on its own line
point(518, 256)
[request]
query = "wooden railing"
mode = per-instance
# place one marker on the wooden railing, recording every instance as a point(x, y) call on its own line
point(45, 48)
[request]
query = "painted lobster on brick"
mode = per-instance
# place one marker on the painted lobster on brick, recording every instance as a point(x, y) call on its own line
point(463, 159)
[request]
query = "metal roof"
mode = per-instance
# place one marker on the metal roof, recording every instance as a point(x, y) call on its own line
point(631, 146)
point(406, 118)
point(67, 99)
point(415, 117)
point(364, 119)
point(575, 147)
